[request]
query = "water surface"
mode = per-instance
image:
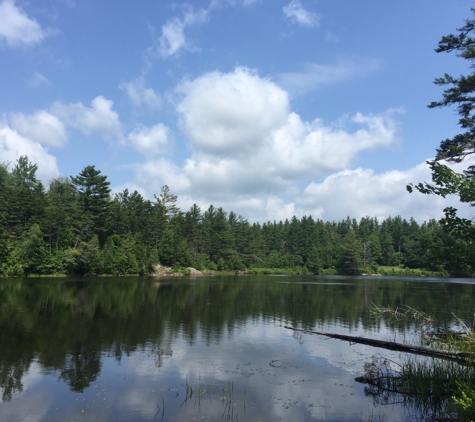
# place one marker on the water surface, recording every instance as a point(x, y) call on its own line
point(210, 349)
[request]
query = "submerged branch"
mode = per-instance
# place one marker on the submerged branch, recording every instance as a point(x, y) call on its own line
point(463, 358)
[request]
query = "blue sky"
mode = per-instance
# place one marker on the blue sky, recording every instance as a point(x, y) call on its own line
point(268, 108)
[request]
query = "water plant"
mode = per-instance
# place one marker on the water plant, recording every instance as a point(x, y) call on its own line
point(437, 388)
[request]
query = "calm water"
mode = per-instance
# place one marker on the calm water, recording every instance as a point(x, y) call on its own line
point(212, 349)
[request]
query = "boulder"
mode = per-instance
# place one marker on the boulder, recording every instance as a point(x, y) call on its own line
point(159, 271)
point(194, 272)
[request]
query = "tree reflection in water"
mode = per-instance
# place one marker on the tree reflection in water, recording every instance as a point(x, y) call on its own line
point(67, 327)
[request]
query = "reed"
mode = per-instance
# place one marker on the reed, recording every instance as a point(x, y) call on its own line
point(435, 387)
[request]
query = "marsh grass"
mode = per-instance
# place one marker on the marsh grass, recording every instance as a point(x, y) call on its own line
point(409, 272)
point(197, 394)
point(424, 386)
point(162, 409)
point(453, 336)
point(433, 387)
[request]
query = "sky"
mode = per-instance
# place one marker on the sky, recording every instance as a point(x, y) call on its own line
point(268, 108)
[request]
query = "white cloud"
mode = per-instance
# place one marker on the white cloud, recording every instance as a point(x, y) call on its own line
point(231, 113)
point(40, 127)
point(38, 80)
point(13, 145)
point(150, 140)
point(140, 95)
point(297, 14)
point(173, 38)
point(250, 153)
point(98, 119)
point(157, 172)
point(16, 28)
point(277, 210)
point(315, 75)
point(361, 192)
point(301, 150)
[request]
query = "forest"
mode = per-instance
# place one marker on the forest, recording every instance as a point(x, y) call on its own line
point(75, 226)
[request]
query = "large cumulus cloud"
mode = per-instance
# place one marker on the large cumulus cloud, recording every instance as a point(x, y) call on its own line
point(250, 152)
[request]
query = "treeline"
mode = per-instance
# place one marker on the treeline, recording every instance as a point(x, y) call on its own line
point(76, 227)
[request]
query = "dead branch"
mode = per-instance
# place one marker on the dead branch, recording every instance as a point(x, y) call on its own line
point(463, 358)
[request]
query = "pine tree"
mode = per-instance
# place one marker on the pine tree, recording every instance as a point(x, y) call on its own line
point(459, 93)
point(350, 256)
point(93, 194)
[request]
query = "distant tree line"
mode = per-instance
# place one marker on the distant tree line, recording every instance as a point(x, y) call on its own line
point(76, 227)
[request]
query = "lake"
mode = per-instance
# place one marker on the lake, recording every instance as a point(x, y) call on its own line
point(205, 349)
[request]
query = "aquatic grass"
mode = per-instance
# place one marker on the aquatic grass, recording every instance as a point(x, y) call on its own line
point(464, 339)
point(162, 409)
point(299, 270)
point(229, 403)
point(456, 336)
point(372, 418)
point(429, 386)
point(227, 398)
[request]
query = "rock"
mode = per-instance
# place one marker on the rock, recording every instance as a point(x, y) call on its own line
point(194, 272)
point(159, 271)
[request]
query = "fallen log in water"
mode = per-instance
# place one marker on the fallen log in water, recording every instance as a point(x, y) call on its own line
point(460, 357)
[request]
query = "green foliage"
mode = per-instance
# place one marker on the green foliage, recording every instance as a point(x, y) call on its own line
point(85, 259)
point(459, 93)
point(350, 258)
point(93, 194)
point(32, 251)
point(235, 262)
point(77, 228)
point(26, 202)
point(11, 263)
point(464, 401)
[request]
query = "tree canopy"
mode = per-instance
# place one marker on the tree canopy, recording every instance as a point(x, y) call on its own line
point(77, 227)
point(459, 92)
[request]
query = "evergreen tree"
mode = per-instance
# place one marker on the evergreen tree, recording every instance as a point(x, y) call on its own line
point(192, 231)
point(93, 194)
point(5, 195)
point(460, 93)
point(350, 255)
point(314, 263)
point(167, 202)
point(27, 201)
point(32, 251)
point(61, 214)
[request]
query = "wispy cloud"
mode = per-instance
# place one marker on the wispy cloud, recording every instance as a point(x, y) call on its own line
point(38, 80)
point(297, 14)
point(16, 28)
point(140, 95)
point(314, 76)
point(173, 38)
